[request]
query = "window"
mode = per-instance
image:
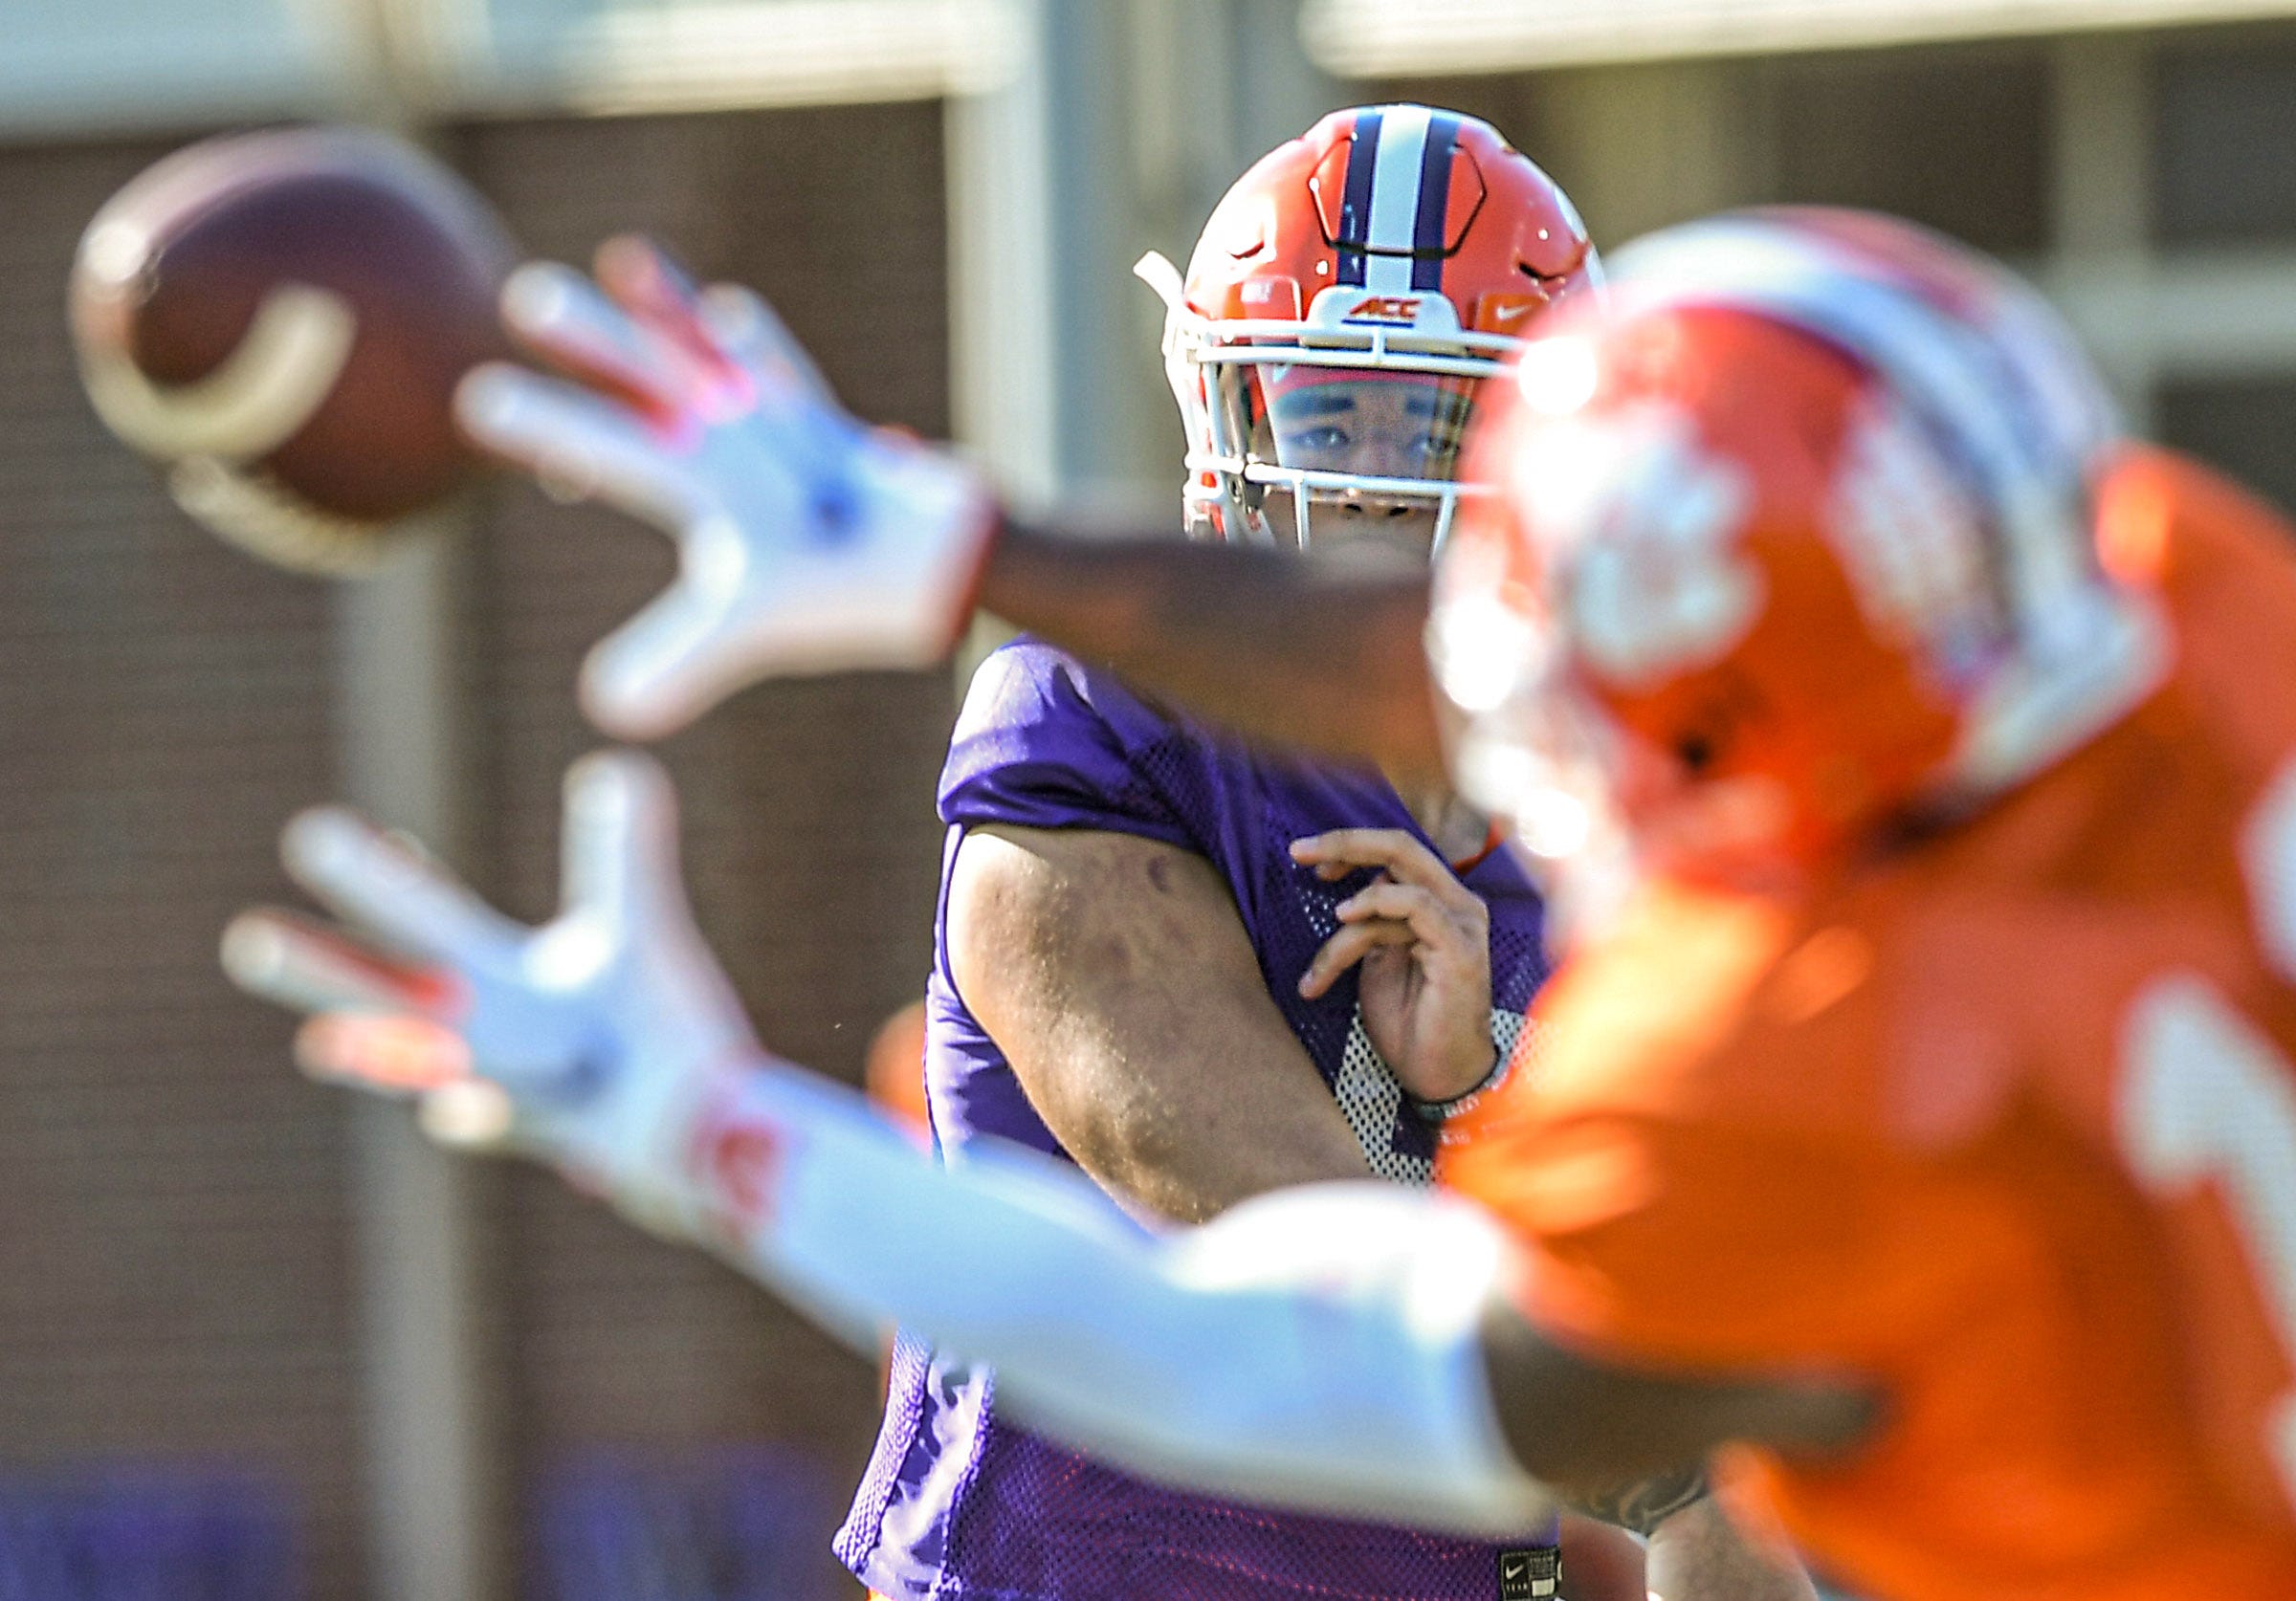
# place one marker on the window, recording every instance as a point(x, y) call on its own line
point(1955, 138)
point(2224, 137)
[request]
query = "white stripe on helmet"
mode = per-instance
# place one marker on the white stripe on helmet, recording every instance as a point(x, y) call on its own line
point(1395, 198)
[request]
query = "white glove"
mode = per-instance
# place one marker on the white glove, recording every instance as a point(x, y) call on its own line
point(807, 542)
point(596, 1042)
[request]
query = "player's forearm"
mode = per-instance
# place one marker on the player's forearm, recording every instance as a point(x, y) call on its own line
point(1207, 1357)
point(1190, 1185)
point(1275, 646)
point(1173, 1139)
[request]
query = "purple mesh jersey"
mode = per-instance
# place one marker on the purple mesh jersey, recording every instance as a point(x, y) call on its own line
point(959, 1505)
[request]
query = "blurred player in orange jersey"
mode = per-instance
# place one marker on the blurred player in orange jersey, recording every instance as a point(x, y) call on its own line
point(1944, 1046)
point(1919, 1116)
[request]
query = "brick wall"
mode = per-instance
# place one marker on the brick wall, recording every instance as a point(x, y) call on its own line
point(174, 1251)
point(175, 1278)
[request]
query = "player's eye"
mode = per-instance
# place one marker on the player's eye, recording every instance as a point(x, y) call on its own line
point(1438, 449)
point(1323, 441)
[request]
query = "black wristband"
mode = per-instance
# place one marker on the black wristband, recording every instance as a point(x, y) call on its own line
point(1439, 1111)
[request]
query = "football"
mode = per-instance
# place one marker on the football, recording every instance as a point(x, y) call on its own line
point(279, 319)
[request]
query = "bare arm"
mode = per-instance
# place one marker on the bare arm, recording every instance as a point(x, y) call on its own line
point(1117, 976)
point(1308, 653)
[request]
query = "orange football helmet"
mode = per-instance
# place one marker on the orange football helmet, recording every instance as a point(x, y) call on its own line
point(1792, 542)
point(1347, 300)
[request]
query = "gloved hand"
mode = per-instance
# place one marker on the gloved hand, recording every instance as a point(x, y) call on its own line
point(807, 542)
point(597, 1041)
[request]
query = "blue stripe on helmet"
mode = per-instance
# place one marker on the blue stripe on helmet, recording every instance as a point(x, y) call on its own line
point(1354, 200)
point(1428, 233)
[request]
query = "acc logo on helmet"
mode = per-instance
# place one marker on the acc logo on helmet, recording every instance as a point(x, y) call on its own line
point(1400, 309)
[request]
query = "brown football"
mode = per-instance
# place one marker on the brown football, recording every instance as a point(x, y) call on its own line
point(280, 319)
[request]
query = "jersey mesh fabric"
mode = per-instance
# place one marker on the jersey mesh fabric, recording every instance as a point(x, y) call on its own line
point(956, 1504)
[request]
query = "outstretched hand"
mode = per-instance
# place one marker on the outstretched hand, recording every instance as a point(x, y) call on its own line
point(589, 1040)
point(1424, 941)
point(807, 542)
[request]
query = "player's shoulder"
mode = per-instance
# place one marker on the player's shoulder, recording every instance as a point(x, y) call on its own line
point(1898, 1011)
point(2169, 522)
point(1024, 681)
point(1762, 1011)
point(1663, 1035)
point(1047, 742)
point(2223, 564)
point(1027, 683)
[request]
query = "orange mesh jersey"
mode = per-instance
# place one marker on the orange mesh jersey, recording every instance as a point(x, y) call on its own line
point(2004, 1123)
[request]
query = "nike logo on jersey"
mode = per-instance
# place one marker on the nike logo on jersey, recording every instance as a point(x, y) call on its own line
point(1531, 1575)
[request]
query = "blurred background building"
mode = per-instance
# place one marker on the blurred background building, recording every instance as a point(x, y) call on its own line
point(253, 1326)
